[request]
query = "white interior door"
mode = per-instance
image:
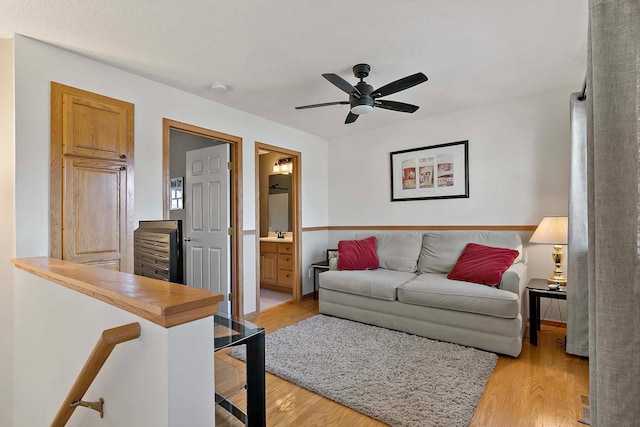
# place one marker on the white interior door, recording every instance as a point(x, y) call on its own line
point(207, 211)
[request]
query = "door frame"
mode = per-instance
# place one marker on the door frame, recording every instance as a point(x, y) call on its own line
point(235, 153)
point(296, 226)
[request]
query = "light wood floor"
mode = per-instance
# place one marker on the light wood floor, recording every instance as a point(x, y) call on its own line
point(542, 387)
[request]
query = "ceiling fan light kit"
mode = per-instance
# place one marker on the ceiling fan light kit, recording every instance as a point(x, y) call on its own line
point(361, 109)
point(363, 98)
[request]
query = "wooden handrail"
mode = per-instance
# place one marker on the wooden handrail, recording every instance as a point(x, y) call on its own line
point(101, 351)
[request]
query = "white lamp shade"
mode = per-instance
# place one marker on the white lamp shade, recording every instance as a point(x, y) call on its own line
point(553, 230)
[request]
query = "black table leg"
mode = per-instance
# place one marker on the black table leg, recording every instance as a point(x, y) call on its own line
point(538, 303)
point(316, 273)
point(534, 318)
point(256, 404)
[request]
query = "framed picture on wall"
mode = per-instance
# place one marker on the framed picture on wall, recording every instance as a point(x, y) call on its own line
point(434, 172)
point(177, 193)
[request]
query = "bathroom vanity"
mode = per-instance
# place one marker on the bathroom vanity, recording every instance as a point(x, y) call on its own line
point(276, 264)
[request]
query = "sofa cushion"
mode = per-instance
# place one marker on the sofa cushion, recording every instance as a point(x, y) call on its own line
point(398, 251)
point(435, 290)
point(379, 283)
point(358, 254)
point(482, 264)
point(441, 249)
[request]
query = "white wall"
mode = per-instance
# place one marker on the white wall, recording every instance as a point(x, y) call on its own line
point(518, 166)
point(315, 248)
point(7, 249)
point(163, 378)
point(518, 171)
point(37, 64)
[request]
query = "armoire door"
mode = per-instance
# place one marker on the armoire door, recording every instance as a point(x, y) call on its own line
point(94, 227)
point(91, 196)
point(94, 129)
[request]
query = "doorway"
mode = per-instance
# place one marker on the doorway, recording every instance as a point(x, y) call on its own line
point(211, 215)
point(278, 225)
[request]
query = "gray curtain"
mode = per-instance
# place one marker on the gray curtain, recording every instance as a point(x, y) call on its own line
point(577, 260)
point(613, 156)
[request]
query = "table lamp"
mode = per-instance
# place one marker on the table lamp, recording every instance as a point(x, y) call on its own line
point(553, 230)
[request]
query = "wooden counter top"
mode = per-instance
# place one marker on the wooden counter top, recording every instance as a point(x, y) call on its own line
point(277, 239)
point(166, 304)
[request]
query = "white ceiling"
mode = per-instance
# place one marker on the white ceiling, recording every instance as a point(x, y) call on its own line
point(273, 52)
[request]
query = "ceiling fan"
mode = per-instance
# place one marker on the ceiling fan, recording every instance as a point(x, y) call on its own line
point(363, 98)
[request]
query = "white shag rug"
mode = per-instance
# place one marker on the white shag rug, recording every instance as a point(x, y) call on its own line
point(397, 378)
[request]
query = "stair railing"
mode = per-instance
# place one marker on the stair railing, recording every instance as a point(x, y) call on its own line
point(101, 351)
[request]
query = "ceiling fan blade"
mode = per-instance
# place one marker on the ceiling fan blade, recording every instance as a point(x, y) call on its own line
point(324, 104)
point(342, 84)
point(398, 85)
point(350, 118)
point(396, 106)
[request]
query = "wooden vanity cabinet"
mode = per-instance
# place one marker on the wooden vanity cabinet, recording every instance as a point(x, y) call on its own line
point(276, 266)
point(268, 264)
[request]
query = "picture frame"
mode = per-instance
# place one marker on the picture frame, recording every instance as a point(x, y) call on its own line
point(433, 172)
point(176, 194)
point(332, 253)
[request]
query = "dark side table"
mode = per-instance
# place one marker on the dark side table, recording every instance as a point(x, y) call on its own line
point(318, 267)
point(538, 288)
point(230, 331)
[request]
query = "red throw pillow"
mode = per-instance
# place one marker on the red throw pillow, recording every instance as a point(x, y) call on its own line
point(358, 254)
point(482, 264)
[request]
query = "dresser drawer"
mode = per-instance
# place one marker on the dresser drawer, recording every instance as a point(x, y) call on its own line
point(285, 278)
point(285, 261)
point(285, 248)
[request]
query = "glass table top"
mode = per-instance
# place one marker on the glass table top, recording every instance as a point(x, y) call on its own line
point(541, 286)
point(229, 331)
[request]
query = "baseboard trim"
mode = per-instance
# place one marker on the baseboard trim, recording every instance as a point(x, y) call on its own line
point(551, 323)
point(308, 296)
point(250, 316)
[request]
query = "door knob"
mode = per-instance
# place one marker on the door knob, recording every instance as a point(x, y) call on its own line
point(187, 239)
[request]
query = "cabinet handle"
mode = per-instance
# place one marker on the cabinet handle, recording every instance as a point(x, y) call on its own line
point(123, 156)
point(123, 168)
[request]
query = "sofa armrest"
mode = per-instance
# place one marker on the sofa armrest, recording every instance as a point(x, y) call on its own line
point(515, 279)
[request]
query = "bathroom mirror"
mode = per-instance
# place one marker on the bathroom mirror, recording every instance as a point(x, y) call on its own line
point(279, 202)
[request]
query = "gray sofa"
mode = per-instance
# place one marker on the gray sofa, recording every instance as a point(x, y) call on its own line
point(411, 293)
